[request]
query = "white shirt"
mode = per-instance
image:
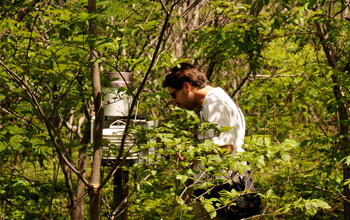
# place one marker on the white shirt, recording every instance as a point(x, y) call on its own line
point(219, 108)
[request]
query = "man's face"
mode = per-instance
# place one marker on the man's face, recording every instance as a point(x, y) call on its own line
point(183, 97)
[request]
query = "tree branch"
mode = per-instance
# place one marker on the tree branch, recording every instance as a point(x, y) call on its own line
point(40, 216)
point(242, 83)
point(49, 125)
point(143, 83)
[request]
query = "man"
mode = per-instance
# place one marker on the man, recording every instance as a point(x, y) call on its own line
point(190, 89)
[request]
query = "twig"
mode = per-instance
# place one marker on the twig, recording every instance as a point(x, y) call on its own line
point(52, 132)
point(195, 182)
point(164, 8)
point(22, 209)
point(242, 83)
point(325, 190)
point(30, 182)
point(143, 83)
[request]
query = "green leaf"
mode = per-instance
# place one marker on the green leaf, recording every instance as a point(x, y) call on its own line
point(182, 178)
point(312, 206)
point(320, 204)
point(260, 161)
point(348, 160)
point(286, 157)
point(219, 10)
point(225, 128)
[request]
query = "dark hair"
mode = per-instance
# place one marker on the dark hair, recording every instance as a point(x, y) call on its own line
point(186, 72)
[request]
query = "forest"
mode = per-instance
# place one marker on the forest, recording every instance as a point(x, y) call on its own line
point(285, 63)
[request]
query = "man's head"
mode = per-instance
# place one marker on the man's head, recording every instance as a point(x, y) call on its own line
point(185, 73)
point(182, 83)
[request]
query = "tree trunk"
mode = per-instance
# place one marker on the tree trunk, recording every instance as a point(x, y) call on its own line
point(78, 213)
point(343, 114)
point(80, 202)
point(69, 183)
point(94, 190)
point(3, 209)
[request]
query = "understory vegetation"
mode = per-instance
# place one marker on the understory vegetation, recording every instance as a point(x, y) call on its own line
point(285, 63)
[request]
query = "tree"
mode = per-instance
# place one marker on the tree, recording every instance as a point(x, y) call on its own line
point(53, 106)
point(283, 62)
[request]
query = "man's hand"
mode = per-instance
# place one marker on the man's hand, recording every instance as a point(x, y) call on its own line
point(178, 156)
point(229, 148)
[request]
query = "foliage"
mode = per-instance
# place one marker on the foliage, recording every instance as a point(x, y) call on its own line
point(285, 63)
point(171, 182)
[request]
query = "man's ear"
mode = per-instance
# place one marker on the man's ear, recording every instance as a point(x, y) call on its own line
point(188, 86)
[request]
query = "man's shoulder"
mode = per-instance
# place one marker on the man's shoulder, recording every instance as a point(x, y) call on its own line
point(218, 93)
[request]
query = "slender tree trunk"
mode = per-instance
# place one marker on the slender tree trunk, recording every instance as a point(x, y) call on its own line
point(78, 213)
point(346, 15)
point(3, 210)
point(343, 114)
point(67, 177)
point(54, 180)
point(80, 202)
point(343, 142)
point(94, 190)
point(69, 183)
point(97, 151)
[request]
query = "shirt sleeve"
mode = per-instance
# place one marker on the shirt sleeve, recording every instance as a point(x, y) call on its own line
point(218, 112)
point(221, 113)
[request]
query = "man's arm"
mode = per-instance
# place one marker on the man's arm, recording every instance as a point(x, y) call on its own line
point(229, 148)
